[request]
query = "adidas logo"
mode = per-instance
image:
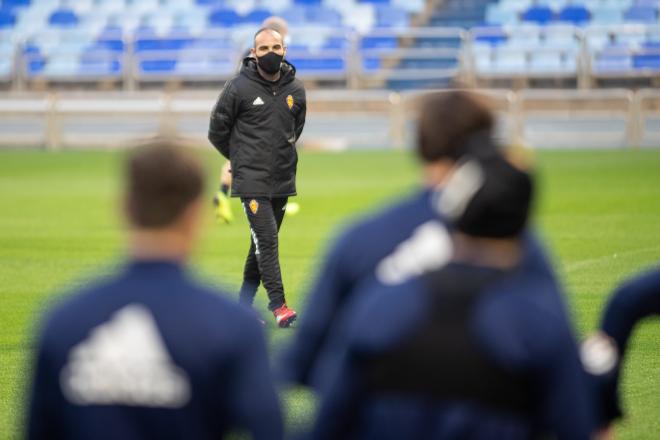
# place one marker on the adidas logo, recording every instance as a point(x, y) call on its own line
point(258, 101)
point(124, 361)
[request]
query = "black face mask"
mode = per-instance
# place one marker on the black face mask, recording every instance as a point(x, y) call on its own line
point(270, 63)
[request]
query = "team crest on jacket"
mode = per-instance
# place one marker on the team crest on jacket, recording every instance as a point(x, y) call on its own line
point(289, 101)
point(254, 206)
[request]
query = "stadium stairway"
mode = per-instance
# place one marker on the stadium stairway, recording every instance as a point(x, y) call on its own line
point(460, 13)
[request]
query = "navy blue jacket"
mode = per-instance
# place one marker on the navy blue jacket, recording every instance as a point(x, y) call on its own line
point(148, 353)
point(633, 301)
point(517, 325)
point(353, 263)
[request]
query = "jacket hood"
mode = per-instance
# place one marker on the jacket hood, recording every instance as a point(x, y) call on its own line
point(249, 69)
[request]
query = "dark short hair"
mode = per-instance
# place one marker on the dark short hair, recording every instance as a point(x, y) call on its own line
point(162, 180)
point(448, 122)
point(264, 29)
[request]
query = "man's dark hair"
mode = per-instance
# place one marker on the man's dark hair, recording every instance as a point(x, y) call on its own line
point(162, 180)
point(451, 123)
point(264, 29)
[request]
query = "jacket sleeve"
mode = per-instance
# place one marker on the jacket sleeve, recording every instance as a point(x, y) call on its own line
point(632, 302)
point(323, 304)
point(223, 117)
point(255, 404)
point(43, 420)
point(300, 118)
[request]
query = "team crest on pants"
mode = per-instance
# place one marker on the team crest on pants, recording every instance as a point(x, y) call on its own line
point(254, 206)
point(289, 101)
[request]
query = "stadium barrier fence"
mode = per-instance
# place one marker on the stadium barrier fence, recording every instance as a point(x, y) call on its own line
point(337, 119)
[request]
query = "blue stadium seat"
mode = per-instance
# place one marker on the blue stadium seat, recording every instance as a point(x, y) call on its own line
point(110, 44)
point(63, 18)
point(335, 43)
point(428, 63)
point(538, 14)
point(375, 2)
point(391, 16)
point(322, 14)
point(308, 2)
point(93, 63)
point(158, 66)
point(576, 14)
point(10, 4)
point(294, 16)
point(492, 35)
point(330, 64)
point(647, 61)
point(7, 18)
point(371, 64)
point(379, 42)
point(613, 62)
point(211, 3)
point(641, 14)
point(257, 16)
point(223, 17)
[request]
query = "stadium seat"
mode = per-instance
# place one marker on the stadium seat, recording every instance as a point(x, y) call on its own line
point(307, 2)
point(378, 42)
point(502, 16)
point(547, 62)
point(7, 18)
point(324, 15)
point(641, 14)
point(210, 3)
point(63, 18)
point(607, 14)
point(647, 61)
point(538, 14)
point(158, 66)
point(578, 15)
point(391, 16)
point(10, 4)
point(294, 15)
point(510, 61)
point(490, 35)
point(616, 61)
point(257, 16)
point(223, 18)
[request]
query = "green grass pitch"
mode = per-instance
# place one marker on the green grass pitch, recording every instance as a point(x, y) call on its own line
point(598, 210)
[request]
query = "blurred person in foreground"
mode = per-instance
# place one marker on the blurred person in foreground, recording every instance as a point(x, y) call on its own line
point(475, 349)
point(255, 124)
point(149, 352)
point(603, 353)
point(221, 205)
point(407, 238)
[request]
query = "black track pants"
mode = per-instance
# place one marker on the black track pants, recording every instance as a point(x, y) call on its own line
point(263, 261)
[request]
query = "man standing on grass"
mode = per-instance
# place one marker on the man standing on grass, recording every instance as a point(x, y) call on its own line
point(255, 124)
point(149, 353)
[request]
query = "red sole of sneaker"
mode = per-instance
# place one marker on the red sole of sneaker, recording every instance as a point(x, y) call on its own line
point(287, 322)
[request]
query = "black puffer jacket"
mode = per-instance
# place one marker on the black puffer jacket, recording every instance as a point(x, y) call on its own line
point(255, 124)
